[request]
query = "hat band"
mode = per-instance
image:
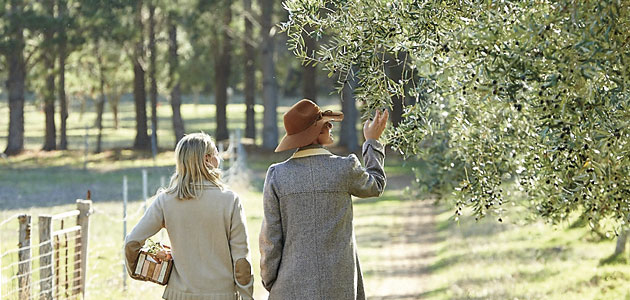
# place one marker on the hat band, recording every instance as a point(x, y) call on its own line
point(319, 116)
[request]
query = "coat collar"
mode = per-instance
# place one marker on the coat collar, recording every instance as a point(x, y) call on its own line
point(311, 146)
point(311, 150)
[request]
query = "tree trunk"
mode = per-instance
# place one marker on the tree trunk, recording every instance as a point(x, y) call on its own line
point(114, 100)
point(222, 74)
point(621, 242)
point(50, 139)
point(62, 8)
point(270, 89)
point(152, 70)
point(100, 103)
point(309, 72)
point(114, 95)
point(16, 81)
point(394, 70)
point(250, 73)
point(176, 96)
point(141, 141)
point(348, 135)
point(196, 96)
point(100, 108)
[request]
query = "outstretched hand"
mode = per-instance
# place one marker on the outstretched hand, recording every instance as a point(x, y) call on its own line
point(373, 129)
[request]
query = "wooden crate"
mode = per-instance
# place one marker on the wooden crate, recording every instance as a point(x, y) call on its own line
point(148, 269)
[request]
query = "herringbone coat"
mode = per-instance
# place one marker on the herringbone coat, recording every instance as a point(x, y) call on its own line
point(307, 243)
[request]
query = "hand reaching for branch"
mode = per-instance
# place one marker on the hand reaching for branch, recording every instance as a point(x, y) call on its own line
point(372, 129)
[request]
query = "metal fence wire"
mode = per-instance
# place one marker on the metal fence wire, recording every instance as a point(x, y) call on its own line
point(54, 267)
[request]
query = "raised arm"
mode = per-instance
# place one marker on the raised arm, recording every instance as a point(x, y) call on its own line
point(271, 239)
point(370, 181)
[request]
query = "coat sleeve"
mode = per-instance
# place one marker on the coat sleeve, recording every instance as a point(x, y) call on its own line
point(271, 240)
point(369, 181)
point(150, 223)
point(239, 249)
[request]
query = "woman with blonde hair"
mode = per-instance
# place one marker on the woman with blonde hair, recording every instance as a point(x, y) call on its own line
point(206, 225)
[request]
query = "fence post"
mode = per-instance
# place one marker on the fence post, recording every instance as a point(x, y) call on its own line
point(85, 153)
point(24, 257)
point(83, 220)
point(221, 155)
point(240, 151)
point(124, 270)
point(45, 258)
point(145, 188)
point(232, 154)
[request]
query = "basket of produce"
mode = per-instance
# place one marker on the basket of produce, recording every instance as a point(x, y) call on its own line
point(154, 263)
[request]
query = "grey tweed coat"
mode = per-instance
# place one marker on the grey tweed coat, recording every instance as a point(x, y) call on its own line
point(307, 243)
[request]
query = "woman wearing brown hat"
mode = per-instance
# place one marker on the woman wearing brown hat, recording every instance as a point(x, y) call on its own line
point(307, 243)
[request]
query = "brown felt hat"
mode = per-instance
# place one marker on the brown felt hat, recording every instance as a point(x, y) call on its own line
point(303, 123)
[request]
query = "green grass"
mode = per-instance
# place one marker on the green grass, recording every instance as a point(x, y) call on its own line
point(518, 260)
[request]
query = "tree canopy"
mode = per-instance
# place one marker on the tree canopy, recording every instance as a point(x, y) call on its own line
point(531, 93)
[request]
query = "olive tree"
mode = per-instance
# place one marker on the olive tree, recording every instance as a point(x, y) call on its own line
point(530, 93)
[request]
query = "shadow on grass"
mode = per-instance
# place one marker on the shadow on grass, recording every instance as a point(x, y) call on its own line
point(492, 256)
point(376, 236)
point(521, 276)
point(608, 277)
point(426, 294)
point(446, 262)
point(614, 259)
point(391, 195)
point(391, 271)
point(468, 227)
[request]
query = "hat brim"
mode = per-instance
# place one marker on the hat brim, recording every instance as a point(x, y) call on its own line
point(306, 137)
point(332, 116)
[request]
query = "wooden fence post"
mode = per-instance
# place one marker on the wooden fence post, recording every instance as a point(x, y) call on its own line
point(124, 270)
point(83, 220)
point(24, 257)
point(45, 259)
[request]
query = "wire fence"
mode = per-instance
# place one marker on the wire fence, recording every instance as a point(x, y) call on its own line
point(53, 268)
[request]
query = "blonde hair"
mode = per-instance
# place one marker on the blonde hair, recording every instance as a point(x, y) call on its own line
point(191, 168)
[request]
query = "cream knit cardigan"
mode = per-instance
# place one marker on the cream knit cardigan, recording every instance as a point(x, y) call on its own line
point(208, 235)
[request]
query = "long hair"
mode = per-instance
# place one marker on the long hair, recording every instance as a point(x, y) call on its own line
point(190, 166)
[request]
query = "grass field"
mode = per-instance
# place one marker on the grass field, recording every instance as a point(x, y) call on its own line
point(409, 247)
point(105, 277)
point(490, 260)
point(465, 260)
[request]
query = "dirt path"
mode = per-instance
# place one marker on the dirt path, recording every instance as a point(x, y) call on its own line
point(398, 266)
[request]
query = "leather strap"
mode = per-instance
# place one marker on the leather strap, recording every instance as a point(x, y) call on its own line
point(311, 152)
